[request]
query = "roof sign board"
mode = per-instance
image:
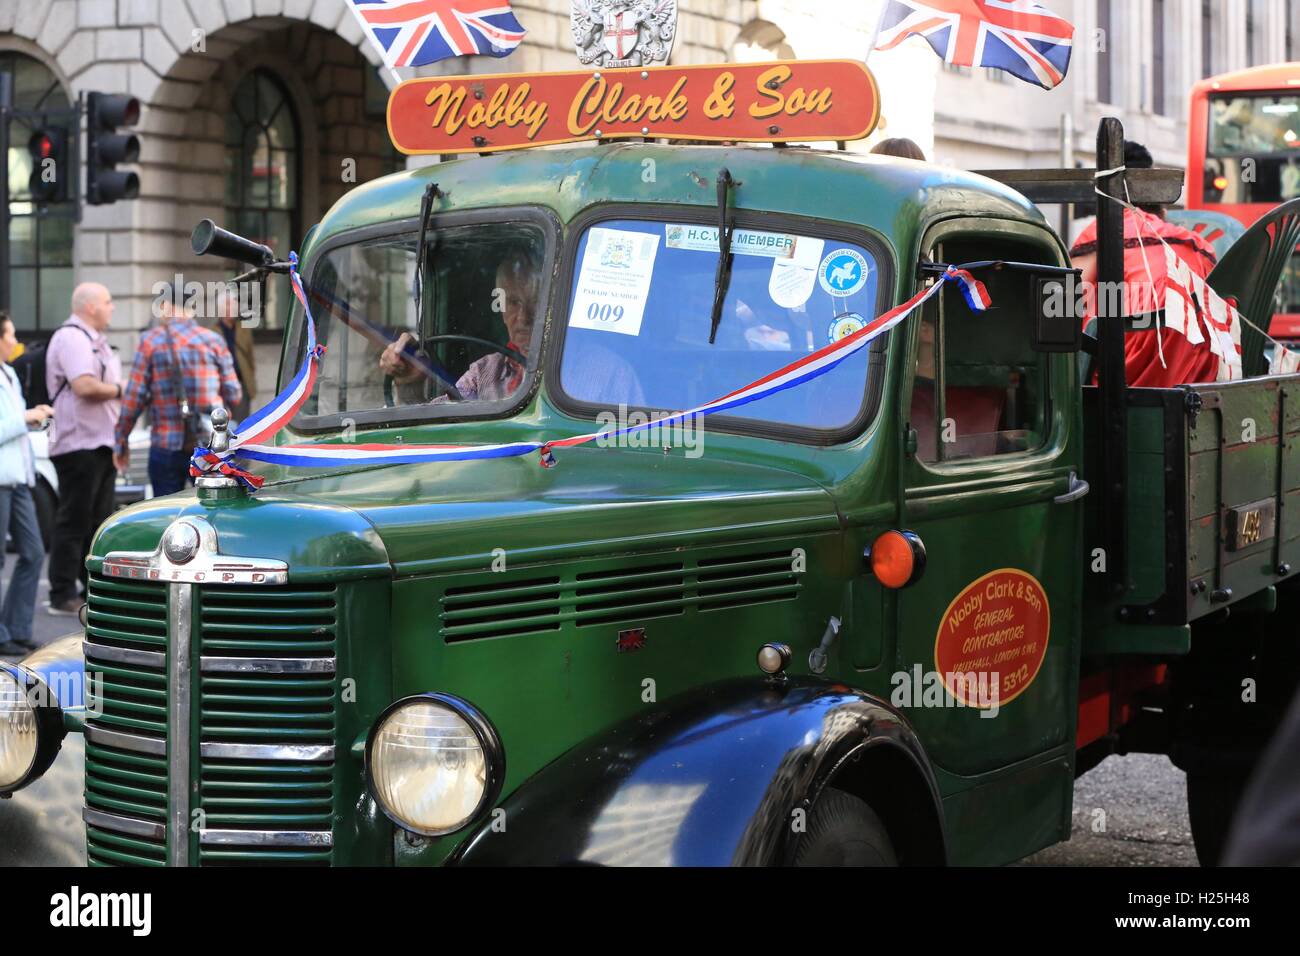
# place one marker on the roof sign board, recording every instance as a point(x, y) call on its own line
point(795, 100)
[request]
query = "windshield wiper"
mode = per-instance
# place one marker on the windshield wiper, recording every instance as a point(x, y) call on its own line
point(422, 244)
point(722, 278)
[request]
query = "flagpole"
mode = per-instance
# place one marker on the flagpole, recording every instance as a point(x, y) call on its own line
point(875, 33)
point(370, 37)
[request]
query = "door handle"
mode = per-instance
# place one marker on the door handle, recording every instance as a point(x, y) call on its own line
point(1076, 490)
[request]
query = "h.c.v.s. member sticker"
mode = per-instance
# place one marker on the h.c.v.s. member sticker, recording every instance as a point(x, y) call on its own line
point(843, 272)
point(994, 636)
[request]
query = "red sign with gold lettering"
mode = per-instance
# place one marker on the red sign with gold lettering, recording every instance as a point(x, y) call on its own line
point(793, 100)
point(993, 637)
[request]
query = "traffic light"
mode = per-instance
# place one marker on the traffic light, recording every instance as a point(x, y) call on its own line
point(51, 167)
point(106, 147)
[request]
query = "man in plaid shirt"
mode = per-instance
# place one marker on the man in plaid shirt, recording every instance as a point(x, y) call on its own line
point(209, 379)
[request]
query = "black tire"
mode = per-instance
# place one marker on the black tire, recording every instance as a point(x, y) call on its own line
point(47, 504)
point(1212, 800)
point(843, 831)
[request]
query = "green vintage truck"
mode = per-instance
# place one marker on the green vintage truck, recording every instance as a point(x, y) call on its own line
point(886, 616)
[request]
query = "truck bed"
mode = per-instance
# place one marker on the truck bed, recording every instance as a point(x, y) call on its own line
point(1212, 469)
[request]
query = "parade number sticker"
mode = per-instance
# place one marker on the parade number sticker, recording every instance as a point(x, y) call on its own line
point(843, 272)
point(998, 625)
point(791, 283)
point(844, 326)
point(614, 281)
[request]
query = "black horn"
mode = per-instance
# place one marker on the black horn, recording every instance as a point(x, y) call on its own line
point(209, 239)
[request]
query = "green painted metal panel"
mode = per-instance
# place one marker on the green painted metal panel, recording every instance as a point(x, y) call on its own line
point(1012, 815)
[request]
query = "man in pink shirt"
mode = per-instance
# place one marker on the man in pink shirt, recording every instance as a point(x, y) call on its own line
point(84, 380)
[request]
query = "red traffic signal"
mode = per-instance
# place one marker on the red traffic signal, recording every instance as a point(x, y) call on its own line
point(51, 166)
point(105, 147)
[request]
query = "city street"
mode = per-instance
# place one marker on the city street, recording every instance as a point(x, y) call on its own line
point(45, 626)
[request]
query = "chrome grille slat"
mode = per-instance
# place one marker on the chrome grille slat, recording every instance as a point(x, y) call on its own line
point(304, 838)
point(267, 665)
point(284, 752)
point(121, 824)
point(124, 655)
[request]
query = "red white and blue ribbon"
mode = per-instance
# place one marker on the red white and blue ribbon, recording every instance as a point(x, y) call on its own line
point(249, 443)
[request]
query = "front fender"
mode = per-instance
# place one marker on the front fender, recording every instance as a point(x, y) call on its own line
point(709, 778)
point(41, 825)
point(61, 664)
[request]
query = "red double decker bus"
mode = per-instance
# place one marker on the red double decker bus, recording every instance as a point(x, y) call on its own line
point(1244, 158)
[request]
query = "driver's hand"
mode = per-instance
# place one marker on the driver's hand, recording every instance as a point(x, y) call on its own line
point(393, 363)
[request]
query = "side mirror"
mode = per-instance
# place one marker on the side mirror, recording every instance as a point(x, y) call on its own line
point(1058, 318)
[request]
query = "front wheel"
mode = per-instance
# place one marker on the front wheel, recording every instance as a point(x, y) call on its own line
point(843, 830)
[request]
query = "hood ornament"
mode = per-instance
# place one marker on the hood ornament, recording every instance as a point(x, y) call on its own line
point(219, 443)
point(612, 33)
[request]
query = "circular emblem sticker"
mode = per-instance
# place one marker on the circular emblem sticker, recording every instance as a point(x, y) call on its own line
point(845, 324)
point(993, 637)
point(843, 272)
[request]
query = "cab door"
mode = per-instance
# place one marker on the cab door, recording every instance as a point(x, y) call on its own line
point(993, 622)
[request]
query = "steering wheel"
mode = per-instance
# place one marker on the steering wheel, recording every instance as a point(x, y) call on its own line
point(451, 386)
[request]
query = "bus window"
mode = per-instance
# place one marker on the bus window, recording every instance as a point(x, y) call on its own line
point(1253, 148)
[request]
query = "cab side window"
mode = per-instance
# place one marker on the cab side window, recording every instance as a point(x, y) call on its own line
point(980, 390)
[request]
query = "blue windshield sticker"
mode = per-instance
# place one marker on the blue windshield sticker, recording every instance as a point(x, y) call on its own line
point(843, 272)
point(844, 325)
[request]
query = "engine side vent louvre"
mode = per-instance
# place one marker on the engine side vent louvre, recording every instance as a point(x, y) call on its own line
point(605, 597)
point(501, 609)
point(617, 595)
point(747, 579)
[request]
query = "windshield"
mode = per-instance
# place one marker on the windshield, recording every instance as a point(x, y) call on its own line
point(1253, 152)
point(469, 350)
point(638, 320)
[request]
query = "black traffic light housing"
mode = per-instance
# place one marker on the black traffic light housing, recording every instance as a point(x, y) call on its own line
point(51, 165)
point(105, 147)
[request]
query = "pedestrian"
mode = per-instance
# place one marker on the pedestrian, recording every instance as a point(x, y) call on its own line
point(1157, 360)
point(84, 380)
point(239, 340)
point(899, 146)
point(17, 508)
point(179, 367)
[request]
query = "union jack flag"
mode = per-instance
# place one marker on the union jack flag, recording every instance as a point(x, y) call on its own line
point(1018, 36)
point(416, 32)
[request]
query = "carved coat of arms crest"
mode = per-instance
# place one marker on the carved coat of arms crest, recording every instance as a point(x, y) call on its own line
point(610, 33)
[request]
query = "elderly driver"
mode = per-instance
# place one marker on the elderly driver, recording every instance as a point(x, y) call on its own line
point(495, 375)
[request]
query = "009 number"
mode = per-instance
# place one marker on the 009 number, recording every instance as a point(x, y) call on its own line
point(598, 312)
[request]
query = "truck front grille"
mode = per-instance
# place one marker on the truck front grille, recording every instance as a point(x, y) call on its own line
point(263, 701)
point(267, 723)
point(126, 740)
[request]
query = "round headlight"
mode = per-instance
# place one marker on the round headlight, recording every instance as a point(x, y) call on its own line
point(18, 737)
point(434, 763)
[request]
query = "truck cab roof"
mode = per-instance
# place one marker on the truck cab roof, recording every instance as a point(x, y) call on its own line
point(896, 198)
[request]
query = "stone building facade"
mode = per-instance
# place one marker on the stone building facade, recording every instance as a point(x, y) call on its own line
point(261, 113)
